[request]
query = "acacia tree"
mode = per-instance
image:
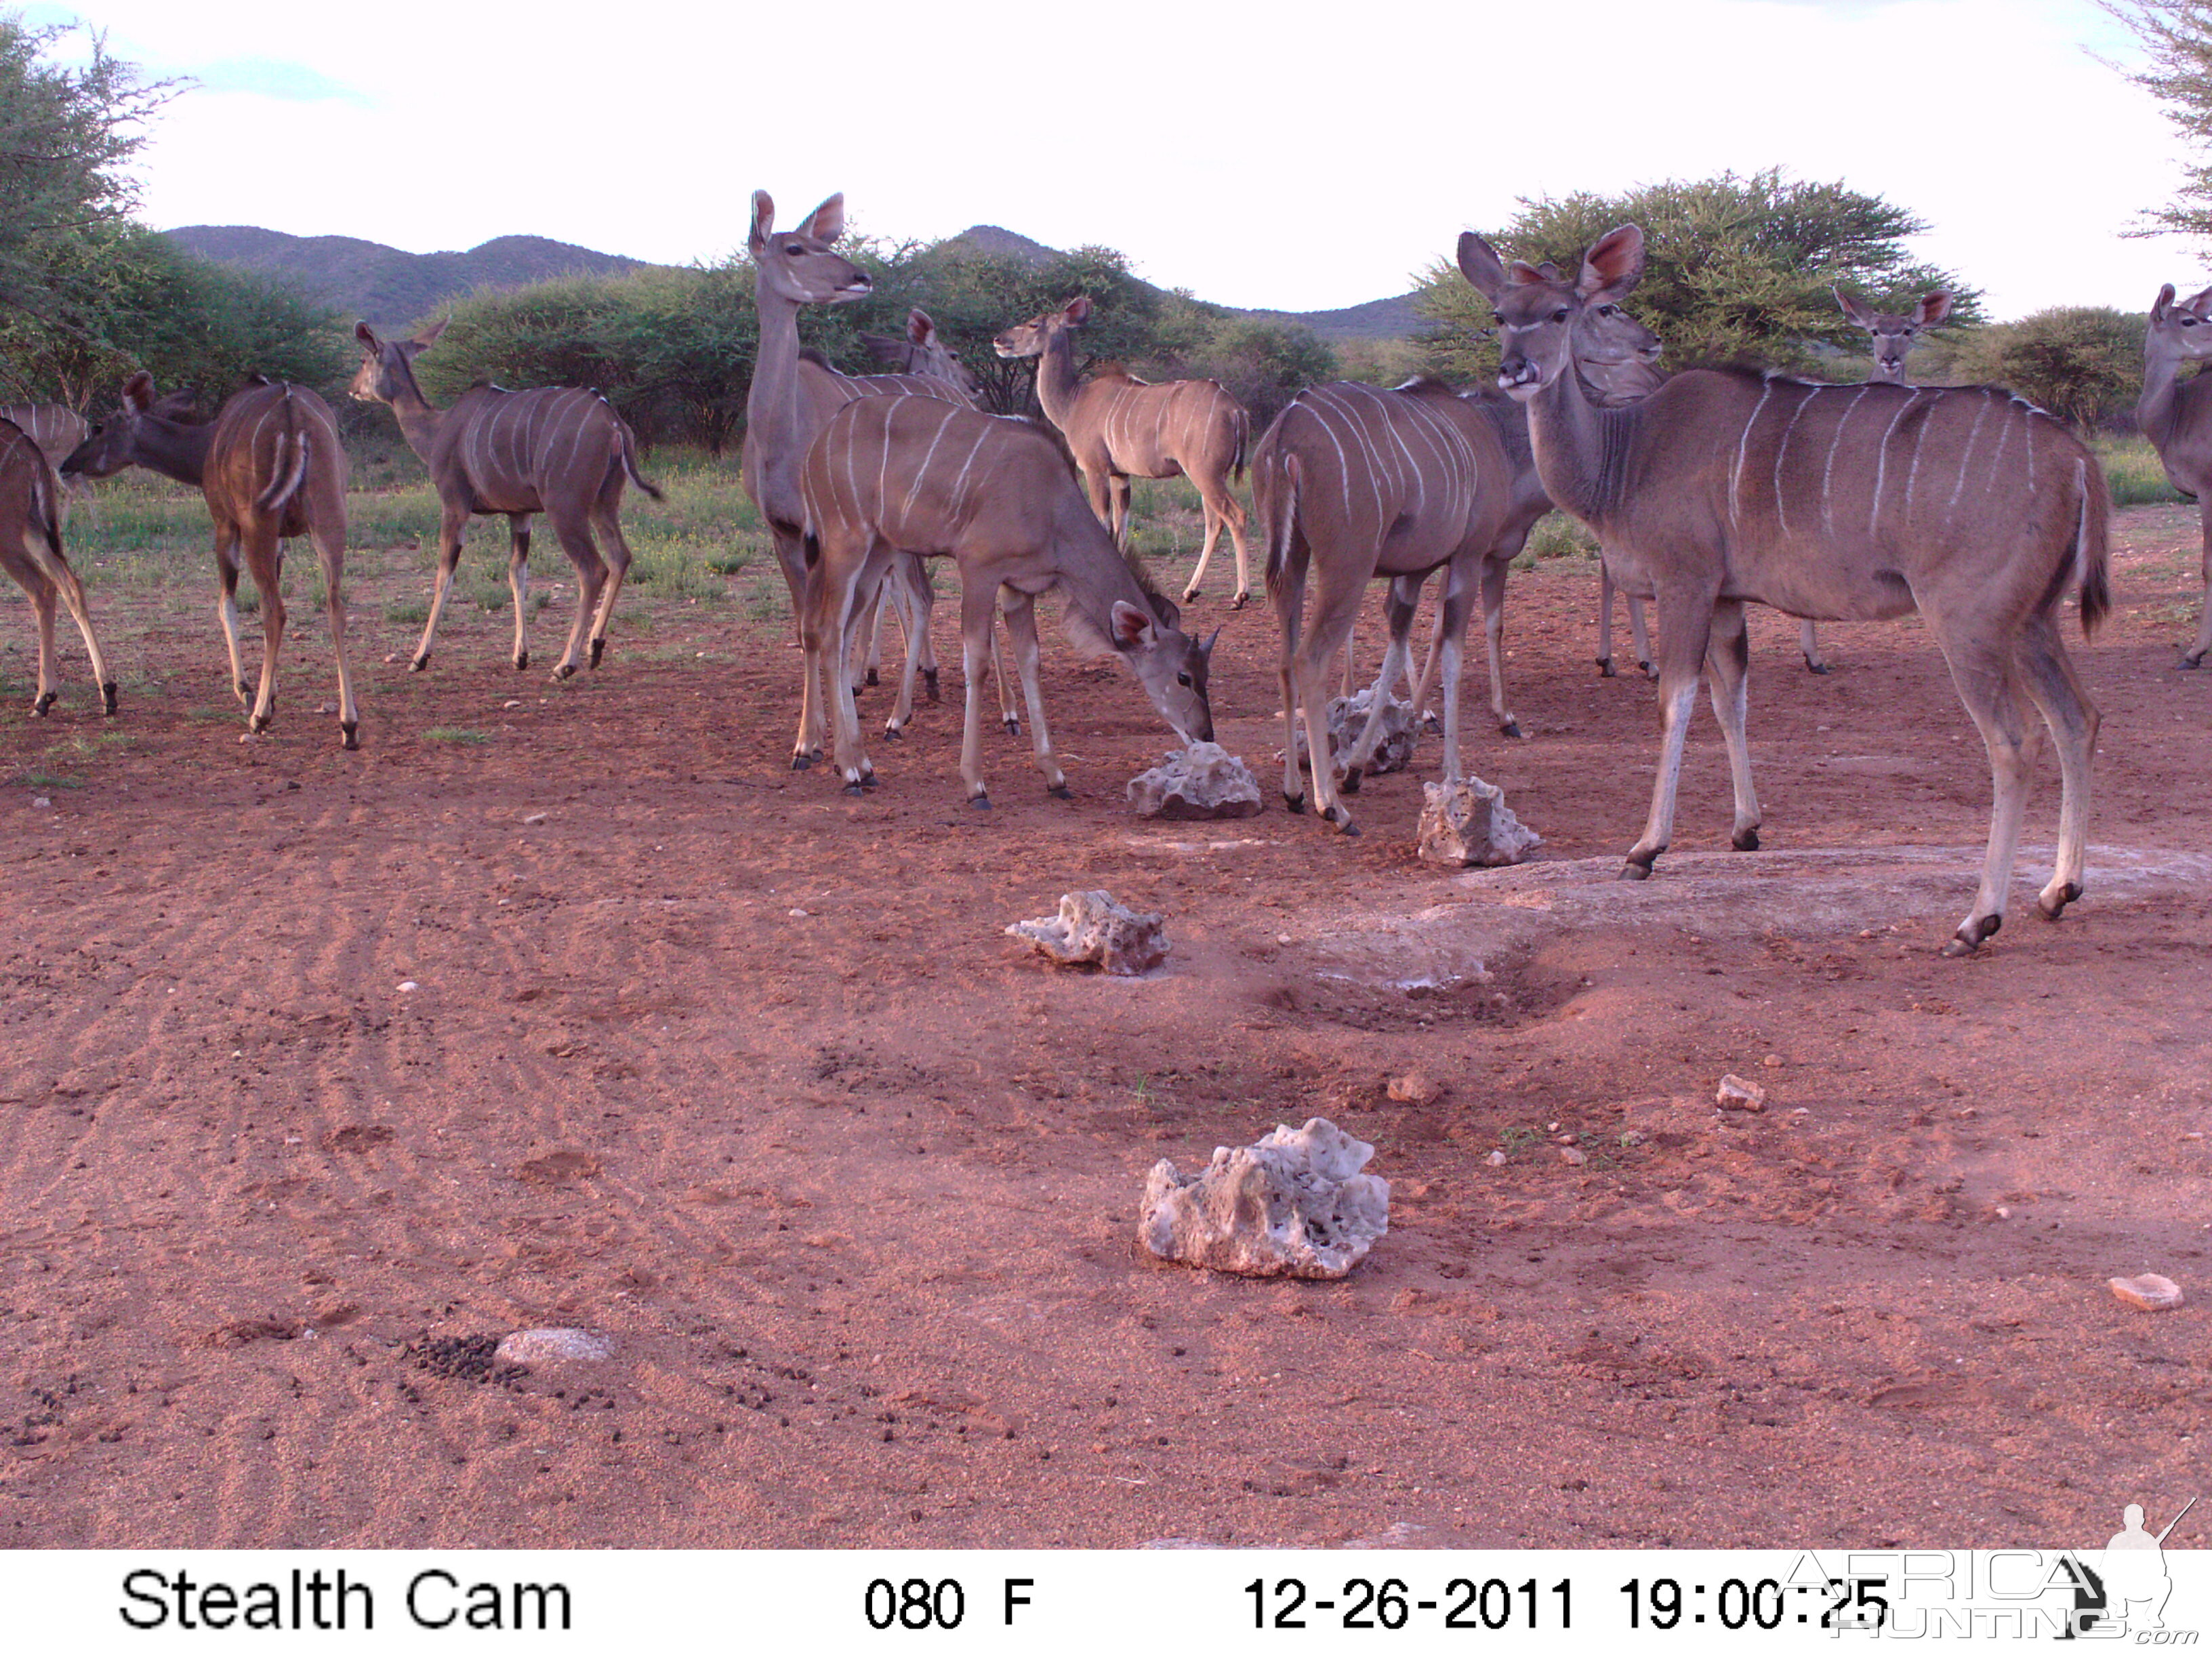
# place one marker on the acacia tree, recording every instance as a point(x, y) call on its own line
point(2176, 35)
point(1737, 268)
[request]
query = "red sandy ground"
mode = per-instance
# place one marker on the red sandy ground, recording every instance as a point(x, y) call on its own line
point(744, 1073)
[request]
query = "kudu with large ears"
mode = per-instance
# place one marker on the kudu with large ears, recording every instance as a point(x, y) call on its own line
point(562, 451)
point(2176, 415)
point(271, 466)
point(1894, 333)
point(1118, 427)
point(1869, 502)
point(31, 552)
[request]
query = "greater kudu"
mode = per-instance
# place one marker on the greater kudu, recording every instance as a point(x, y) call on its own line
point(271, 466)
point(2176, 415)
point(1726, 487)
point(560, 450)
point(31, 552)
point(914, 475)
point(1118, 427)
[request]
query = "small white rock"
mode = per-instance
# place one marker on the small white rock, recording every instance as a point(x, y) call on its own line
point(553, 1345)
point(2151, 1292)
point(1573, 1155)
point(798, 914)
point(512, 702)
point(42, 800)
point(537, 818)
point(409, 985)
point(1496, 1160)
point(1737, 1095)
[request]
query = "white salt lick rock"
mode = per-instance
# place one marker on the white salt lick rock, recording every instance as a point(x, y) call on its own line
point(1092, 928)
point(1202, 781)
point(553, 1345)
point(1469, 823)
point(1293, 1205)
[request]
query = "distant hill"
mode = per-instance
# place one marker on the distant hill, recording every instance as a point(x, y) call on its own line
point(384, 284)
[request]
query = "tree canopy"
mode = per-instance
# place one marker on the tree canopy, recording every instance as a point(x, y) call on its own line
point(2176, 35)
point(1737, 268)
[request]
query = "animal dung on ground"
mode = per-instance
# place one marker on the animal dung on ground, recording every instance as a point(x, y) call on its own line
point(1202, 781)
point(2151, 1292)
point(1736, 1095)
point(1469, 823)
point(1347, 719)
point(553, 1345)
point(1293, 1205)
point(1092, 928)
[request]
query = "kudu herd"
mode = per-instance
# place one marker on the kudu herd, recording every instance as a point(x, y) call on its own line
point(1708, 490)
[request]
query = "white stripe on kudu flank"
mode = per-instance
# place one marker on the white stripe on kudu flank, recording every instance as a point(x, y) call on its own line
point(1743, 451)
point(1981, 410)
point(951, 412)
point(1881, 462)
point(1782, 449)
point(1828, 467)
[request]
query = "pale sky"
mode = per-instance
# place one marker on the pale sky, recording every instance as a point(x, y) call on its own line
point(1291, 158)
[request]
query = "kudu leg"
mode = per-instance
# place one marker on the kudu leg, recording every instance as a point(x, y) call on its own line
point(51, 572)
point(607, 521)
point(1452, 610)
point(1982, 670)
point(2194, 656)
point(977, 600)
point(1020, 610)
point(1685, 622)
point(833, 629)
point(575, 537)
point(265, 556)
point(1119, 483)
point(1605, 592)
point(330, 550)
point(1727, 679)
point(1332, 627)
point(2047, 674)
point(1288, 594)
point(40, 592)
point(1009, 716)
point(1190, 589)
point(873, 674)
point(906, 586)
point(1361, 756)
point(226, 606)
point(518, 584)
point(1808, 642)
point(1494, 571)
point(453, 529)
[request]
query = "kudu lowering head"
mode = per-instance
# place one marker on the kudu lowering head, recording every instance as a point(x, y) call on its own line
point(2182, 327)
point(113, 443)
point(798, 264)
point(386, 371)
point(1029, 339)
point(1546, 322)
point(1895, 335)
point(1168, 664)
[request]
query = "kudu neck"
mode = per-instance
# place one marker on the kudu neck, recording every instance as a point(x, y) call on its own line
point(1057, 383)
point(1578, 446)
point(772, 399)
point(175, 449)
point(418, 419)
point(2160, 407)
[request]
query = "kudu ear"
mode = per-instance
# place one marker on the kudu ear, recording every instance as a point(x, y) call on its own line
point(827, 222)
point(1480, 264)
point(1933, 308)
point(366, 336)
point(428, 337)
point(1852, 309)
point(1078, 310)
point(919, 327)
point(2158, 306)
point(1613, 265)
point(2200, 303)
point(175, 405)
point(1131, 626)
point(1206, 650)
point(764, 222)
point(138, 392)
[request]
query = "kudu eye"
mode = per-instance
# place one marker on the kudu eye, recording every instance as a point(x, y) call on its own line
point(796, 250)
point(1182, 679)
point(1560, 315)
point(1607, 311)
point(1498, 318)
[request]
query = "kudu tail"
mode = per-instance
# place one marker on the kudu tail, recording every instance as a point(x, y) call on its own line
point(2091, 568)
point(295, 449)
point(1243, 444)
point(1275, 494)
point(630, 463)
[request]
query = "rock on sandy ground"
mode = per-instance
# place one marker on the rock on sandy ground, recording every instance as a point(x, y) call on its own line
point(1092, 929)
point(1469, 823)
point(1292, 1205)
point(1202, 781)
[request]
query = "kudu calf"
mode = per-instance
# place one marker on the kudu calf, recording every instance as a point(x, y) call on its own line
point(1118, 427)
point(915, 475)
point(2176, 415)
point(271, 466)
point(1869, 502)
point(31, 552)
point(560, 450)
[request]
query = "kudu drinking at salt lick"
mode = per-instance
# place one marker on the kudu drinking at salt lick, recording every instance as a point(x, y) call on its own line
point(560, 450)
point(31, 552)
point(1865, 502)
point(2176, 415)
point(271, 466)
point(911, 474)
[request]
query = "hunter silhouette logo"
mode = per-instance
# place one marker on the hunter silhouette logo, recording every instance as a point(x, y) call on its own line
point(2136, 1581)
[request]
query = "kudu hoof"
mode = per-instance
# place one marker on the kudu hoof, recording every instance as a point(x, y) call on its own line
point(598, 650)
point(1350, 783)
point(893, 732)
point(1240, 601)
point(566, 670)
point(801, 762)
point(1605, 669)
point(2191, 659)
point(1342, 820)
point(1189, 593)
point(873, 678)
point(981, 803)
point(1296, 803)
point(521, 661)
point(1014, 727)
point(107, 698)
point(1059, 791)
point(416, 665)
point(929, 684)
point(868, 779)
point(1968, 939)
point(1651, 671)
point(1811, 667)
point(46, 702)
point(1509, 729)
point(259, 723)
point(349, 734)
point(2051, 906)
point(1745, 841)
point(855, 789)
point(1632, 871)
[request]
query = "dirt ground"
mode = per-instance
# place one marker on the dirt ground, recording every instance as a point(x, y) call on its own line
point(573, 1006)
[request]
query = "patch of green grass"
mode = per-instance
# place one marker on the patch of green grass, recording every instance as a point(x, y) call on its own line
point(2133, 470)
point(1558, 536)
point(39, 778)
point(729, 563)
point(455, 734)
point(411, 612)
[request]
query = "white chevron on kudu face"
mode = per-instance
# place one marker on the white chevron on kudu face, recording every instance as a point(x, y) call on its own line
point(1724, 488)
point(271, 466)
point(2176, 415)
point(1119, 427)
point(31, 552)
point(922, 475)
point(562, 451)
